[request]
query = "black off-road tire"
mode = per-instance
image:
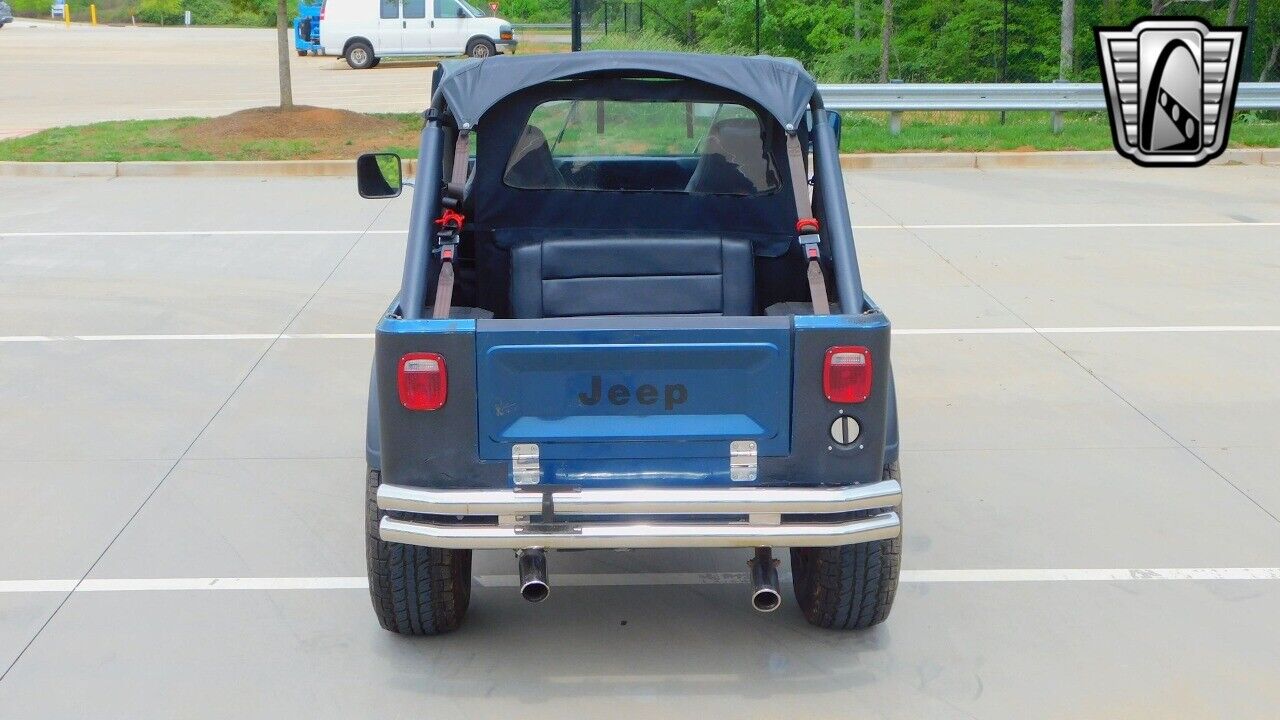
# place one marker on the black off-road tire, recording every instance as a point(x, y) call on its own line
point(302, 53)
point(415, 590)
point(360, 55)
point(848, 587)
point(481, 48)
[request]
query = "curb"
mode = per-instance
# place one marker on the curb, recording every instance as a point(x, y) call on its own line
point(1051, 159)
point(210, 168)
point(854, 161)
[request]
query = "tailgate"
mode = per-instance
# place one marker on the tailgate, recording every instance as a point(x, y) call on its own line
point(602, 388)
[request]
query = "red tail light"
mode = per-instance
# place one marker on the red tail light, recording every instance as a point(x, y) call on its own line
point(424, 381)
point(846, 374)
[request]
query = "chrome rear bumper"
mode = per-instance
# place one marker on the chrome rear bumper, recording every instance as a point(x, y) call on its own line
point(753, 517)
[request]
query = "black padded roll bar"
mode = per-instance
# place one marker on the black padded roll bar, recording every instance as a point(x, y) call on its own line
point(425, 209)
point(836, 227)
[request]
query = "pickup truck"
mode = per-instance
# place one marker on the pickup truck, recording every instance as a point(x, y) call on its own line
point(631, 316)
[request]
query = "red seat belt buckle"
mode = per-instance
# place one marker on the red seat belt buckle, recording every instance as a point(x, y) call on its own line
point(807, 229)
point(447, 237)
point(451, 220)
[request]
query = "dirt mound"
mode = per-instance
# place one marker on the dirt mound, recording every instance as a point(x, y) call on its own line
point(303, 132)
point(301, 122)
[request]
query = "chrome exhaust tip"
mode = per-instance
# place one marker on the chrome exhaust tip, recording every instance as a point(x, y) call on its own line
point(766, 600)
point(533, 574)
point(764, 581)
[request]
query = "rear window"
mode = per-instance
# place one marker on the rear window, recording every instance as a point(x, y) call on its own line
point(695, 147)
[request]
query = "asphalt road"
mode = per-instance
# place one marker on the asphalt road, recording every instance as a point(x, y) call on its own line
point(55, 75)
point(1090, 415)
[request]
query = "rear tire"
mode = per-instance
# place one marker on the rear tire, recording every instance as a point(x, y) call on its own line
point(415, 590)
point(302, 53)
point(360, 56)
point(848, 587)
point(482, 48)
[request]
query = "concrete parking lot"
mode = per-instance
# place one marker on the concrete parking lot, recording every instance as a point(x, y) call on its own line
point(1086, 362)
point(55, 75)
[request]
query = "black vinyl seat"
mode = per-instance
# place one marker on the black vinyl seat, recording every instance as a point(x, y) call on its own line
point(631, 275)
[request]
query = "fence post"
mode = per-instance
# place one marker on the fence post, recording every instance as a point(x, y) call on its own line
point(93, 14)
point(605, 8)
point(66, 14)
point(1055, 118)
point(895, 118)
point(575, 25)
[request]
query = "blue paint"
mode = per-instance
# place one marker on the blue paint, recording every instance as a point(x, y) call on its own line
point(614, 393)
point(426, 326)
point(841, 322)
point(630, 427)
point(651, 472)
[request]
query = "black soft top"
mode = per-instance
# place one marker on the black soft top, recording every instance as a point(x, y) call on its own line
point(470, 87)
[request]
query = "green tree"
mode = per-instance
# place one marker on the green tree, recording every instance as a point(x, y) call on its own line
point(159, 11)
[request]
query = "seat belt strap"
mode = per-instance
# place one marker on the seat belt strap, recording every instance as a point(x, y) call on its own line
point(447, 237)
point(807, 227)
point(450, 229)
point(444, 285)
point(461, 156)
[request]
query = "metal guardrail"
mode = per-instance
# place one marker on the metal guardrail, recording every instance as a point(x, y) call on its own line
point(554, 26)
point(1057, 98)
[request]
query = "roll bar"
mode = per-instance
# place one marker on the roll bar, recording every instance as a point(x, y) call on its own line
point(837, 229)
point(419, 261)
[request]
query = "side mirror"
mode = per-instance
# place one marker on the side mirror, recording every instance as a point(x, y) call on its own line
point(833, 119)
point(378, 175)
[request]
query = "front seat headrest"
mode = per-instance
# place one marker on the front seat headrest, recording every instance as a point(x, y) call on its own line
point(733, 160)
point(532, 166)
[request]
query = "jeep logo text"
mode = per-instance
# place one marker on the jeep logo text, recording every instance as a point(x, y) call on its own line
point(672, 395)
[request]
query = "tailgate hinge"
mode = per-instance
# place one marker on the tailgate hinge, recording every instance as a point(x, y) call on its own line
point(742, 461)
point(525, 469)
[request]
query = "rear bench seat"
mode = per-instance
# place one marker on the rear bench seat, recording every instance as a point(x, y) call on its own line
point(575, 277)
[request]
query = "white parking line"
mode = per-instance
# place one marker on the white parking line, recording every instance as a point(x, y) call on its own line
point(1087, 330)
point(929, 226)
point(896, 331)
point(201, 233)
point(1012, 575)
point(1069, 226)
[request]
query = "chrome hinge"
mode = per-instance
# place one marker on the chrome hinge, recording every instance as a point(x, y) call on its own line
point(525, 469)
point(742, 460)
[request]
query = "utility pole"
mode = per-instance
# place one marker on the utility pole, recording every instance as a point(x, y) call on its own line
point(284, 47)
point(1251, 21)
point(757, 27)
point(1067, 61)
point(575, 24)
point(1004, 50)
point(886, 37)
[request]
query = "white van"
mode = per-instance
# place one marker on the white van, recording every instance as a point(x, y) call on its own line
point(365, 31)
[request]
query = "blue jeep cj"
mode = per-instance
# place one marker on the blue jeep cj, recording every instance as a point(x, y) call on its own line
point(625, 323)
